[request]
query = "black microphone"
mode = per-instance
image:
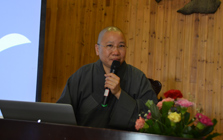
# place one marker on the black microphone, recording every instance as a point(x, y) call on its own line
point(114, 68)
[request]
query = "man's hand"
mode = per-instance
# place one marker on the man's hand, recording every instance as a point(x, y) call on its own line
point(112, 82)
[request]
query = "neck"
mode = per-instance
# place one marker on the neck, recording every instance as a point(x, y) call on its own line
point(106, 69)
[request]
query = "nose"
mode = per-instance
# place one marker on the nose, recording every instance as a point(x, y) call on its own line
point(115, 51)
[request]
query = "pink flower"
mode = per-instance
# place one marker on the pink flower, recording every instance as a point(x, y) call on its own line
point(184, 102)
point(168, 99)
point(204, 119)
point(160, 104)
point(149, 115)
point(139, 123)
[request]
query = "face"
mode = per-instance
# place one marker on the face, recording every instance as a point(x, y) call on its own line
point(108, 54)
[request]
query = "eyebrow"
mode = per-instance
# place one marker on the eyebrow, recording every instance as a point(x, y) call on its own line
point(113, 42)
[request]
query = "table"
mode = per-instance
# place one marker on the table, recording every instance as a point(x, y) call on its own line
point(27, 130)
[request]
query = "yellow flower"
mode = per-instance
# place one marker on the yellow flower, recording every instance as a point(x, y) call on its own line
point(174, 117)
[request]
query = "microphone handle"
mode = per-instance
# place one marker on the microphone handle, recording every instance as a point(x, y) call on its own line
point(106, 93)
point(112, 70)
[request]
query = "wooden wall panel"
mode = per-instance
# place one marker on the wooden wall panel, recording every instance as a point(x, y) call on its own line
point(182, 51)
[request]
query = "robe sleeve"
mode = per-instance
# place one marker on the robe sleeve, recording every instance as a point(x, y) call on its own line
point(65, 96)
point(128, 107)
point(70, 93)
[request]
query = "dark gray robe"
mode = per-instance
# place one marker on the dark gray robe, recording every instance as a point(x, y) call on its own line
point(85, 90)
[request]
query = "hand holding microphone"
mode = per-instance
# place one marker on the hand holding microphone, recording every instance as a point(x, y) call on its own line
point(112, 83)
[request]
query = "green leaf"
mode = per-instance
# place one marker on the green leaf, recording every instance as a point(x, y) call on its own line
point(179, 108)
point(157, 128)
point(167, 122)
point(187, 136)
point(169, 131)
point(149, 103)
point(214, 122)
point(195, 132)
point(191, 121)
point(146, 126)
point(212, 136)
point(179, 128)
point(186, 118)
point(187, 130)
point(165, 125)
point(150, 124)
point(207, 130)
point(183, 110)
point(142, 130)
point(166, 107)
point(155, 112)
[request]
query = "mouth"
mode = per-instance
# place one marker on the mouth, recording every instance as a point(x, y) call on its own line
point(115, 59)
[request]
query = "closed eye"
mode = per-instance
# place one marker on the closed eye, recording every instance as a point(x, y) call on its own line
point(110, 46)
point(121, 46)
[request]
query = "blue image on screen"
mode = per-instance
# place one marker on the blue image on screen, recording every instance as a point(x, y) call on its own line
point(19, 45)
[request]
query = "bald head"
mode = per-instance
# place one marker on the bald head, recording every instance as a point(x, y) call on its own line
point(111, 46)
point(108, 29)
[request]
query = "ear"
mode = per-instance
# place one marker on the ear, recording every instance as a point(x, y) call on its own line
point(97, 49)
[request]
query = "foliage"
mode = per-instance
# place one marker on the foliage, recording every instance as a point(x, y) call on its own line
point(170, 117)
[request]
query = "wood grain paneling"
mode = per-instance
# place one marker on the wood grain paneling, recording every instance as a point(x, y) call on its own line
point(182, 51)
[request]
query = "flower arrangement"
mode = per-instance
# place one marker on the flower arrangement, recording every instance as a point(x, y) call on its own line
point(170, 117)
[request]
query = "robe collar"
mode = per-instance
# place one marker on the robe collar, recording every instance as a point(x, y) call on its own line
point(121, 69)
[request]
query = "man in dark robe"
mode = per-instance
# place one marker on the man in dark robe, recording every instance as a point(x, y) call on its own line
point(129, 87)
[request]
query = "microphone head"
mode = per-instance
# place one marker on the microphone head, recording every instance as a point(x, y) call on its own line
point(115, 65)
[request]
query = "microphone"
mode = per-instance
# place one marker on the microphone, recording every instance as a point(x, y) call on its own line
point(114, 68)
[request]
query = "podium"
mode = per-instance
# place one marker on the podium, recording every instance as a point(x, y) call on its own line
point(27, 130)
